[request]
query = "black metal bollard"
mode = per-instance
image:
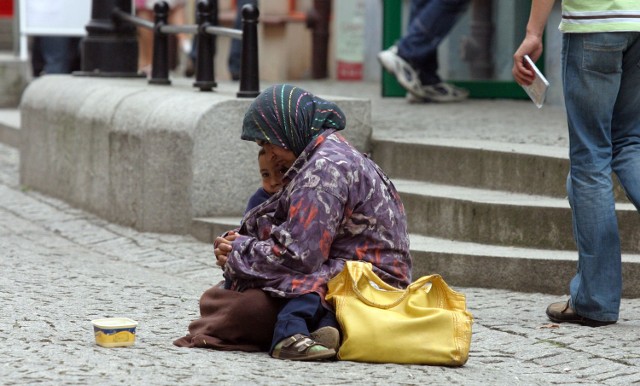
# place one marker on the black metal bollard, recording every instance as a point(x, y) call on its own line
point(206, 15)
point(160, 66)
point(249, 70)
point(110, 48)
point(319, 21)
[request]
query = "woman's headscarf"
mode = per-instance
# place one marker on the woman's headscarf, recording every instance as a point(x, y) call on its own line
point(290, 117)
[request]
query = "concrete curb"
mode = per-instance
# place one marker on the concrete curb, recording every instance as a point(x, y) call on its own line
point(144, 156)
point(10, 127)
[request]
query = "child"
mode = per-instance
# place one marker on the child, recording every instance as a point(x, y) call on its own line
point(271, 174)
point(271, 180)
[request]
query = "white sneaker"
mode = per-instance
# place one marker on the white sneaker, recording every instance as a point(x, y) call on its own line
point(404, 73)
point(186, 46)
point(387, 59)
point(440, 92)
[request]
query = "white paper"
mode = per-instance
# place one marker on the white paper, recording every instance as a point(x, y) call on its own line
point(54, 17)
point(537, 90)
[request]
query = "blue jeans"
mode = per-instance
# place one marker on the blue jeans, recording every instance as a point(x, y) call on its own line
point(59, 54)
point(235, 51)
point(301, 315)
point(429, 23)
point(601, 78)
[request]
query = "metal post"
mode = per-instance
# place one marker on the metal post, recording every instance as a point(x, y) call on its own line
point(318, 21)
point(391, 32)
point(249, 70)
point(110, 48)
point(205, 80)
point(476, 48)
point(160, 65)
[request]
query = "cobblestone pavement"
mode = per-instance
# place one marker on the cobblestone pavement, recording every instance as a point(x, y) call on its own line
point(62, 267)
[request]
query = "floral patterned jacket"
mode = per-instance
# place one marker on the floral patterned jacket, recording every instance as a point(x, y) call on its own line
point(337, 205)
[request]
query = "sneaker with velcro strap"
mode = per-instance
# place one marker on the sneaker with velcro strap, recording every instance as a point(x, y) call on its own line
point(327, 336)
point(302, 348)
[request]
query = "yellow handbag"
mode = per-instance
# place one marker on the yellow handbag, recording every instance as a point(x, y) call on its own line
point(427, 323)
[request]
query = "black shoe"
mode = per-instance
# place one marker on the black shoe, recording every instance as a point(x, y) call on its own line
point(562, 312)
point(189, 69)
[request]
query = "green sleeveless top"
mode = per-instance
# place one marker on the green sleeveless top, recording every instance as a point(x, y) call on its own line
point(600, 15)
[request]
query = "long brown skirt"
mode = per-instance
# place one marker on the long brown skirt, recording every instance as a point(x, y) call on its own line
point(233, 321)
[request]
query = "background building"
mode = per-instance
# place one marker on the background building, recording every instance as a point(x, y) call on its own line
point(477, 54)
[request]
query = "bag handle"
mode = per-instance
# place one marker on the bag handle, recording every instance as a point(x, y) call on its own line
point(358, 270)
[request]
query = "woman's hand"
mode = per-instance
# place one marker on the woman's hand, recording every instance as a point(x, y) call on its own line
point(222, 247)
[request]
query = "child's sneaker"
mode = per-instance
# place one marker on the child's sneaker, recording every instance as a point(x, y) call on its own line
point(406, 75)
point(440, 92)
point(327, 336)
point(301, 348)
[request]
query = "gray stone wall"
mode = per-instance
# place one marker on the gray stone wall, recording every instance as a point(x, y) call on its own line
point(149, 157)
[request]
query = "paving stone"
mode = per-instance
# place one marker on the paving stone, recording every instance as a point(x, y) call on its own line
point(62, 267)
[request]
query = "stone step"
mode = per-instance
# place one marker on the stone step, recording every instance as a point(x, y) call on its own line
point(467, 264)
point(531, 169)
point(518, 269)
point(500, 218)
point(206, 229)
point(10, 127)
point(485, 216)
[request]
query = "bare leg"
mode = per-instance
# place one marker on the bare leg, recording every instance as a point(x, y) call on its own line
point(177, 17)
point(145, 42)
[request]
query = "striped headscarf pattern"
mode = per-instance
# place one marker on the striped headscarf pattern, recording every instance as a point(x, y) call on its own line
point(290, 117)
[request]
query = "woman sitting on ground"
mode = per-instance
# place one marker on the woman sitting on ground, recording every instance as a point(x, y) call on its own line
point(336, 205)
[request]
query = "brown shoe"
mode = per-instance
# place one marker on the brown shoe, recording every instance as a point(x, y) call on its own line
point(302, 348)
point(327, 336)
point(562, 312)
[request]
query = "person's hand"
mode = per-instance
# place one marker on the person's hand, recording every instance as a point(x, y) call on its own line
point(222, 247)
point(532, 46)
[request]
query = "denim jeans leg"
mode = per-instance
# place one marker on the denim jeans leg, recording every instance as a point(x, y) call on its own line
point(235, 51)
point(57, 52)
point(296, 315)
point(592, 76)
point(626, 123)
point(429, 23)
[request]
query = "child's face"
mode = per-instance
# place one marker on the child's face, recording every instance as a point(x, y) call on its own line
point(271, 173)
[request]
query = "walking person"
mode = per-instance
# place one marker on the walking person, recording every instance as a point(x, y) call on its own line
point(414, 59)
point(145, 10)
point(55, 55)
point(601, 83)
point(235, 49)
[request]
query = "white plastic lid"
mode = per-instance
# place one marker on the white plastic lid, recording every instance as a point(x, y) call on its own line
point(109, 323)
